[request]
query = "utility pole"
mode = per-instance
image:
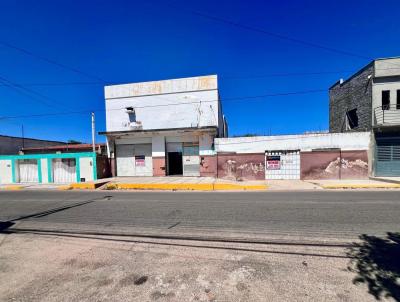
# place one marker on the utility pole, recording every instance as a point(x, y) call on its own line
point(93, 133)
point(23, 136)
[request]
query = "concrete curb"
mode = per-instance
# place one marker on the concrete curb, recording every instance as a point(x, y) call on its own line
point(12, 188)
point(386, 180)
point(83, 185)
point(362, 186)
point(184, 187)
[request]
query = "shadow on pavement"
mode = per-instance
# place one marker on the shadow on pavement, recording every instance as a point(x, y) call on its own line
point(4, 225)
point(376, 261)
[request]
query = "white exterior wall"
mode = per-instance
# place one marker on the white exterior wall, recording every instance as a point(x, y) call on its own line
point(158, 146)
point(5, 172)
point(305, 142)
point(45, 174)
point(206, 142)
point(391, 116)
point(86, 168)
point(195, 102)
point(387, 67)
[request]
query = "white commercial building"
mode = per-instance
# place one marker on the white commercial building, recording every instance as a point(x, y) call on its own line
point(164, 127)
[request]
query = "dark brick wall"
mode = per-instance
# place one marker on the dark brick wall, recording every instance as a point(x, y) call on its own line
point(11, 145)
point(353, 93)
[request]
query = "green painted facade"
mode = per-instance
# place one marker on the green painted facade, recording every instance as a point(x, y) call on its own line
point(49, 158)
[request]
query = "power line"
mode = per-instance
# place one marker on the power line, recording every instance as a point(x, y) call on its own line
point(229, 77)
point(166, 105)
point(266, 32)
point(50, 61)
point(25, 91)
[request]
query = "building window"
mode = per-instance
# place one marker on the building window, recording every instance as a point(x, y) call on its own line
point(398, 100)
point(351, 119)
point(385, 99)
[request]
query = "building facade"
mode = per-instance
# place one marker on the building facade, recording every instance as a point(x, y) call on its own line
point(164, 127)
point(370, 101)
point(60, 164)
point(304, 156)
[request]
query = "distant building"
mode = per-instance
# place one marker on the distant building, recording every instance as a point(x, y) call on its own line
point(66, 148)
point(12, 145)
point(164, 127)
point(63, 163)
point(370, 101)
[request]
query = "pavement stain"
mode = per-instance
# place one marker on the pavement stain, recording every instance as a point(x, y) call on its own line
point(156, 295)
point(133, 279)
point(81, 264)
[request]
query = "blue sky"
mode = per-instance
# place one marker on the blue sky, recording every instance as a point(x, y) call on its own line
point(133, 41)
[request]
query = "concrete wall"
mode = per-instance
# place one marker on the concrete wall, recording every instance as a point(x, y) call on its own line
point(387, 67)
point(354, 93)
point(303, 142)
point(241, 166)
point(391, 116)
point(334, 164)
point(10, 145)
point(208, 166)
point(180, 103)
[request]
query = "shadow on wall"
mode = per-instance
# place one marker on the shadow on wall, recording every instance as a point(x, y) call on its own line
point(376, 261)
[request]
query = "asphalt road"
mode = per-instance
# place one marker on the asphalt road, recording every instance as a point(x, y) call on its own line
point(314, 214)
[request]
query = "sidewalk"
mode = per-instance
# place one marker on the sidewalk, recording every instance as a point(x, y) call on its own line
point(354, 184)
point(206, 184)
point(31, 186)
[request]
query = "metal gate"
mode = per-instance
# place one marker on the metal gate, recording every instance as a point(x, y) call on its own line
point(64, 170)
point(283, 164)
point(28, 170)
point(191, 160)
point(387, 157)
point(134, 160)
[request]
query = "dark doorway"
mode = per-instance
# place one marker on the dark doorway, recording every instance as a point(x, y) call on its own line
point(175, 163)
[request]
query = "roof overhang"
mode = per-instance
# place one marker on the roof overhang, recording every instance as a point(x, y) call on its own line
point(193, 130)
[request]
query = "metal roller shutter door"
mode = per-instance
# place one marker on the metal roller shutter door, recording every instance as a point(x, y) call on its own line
point(134, 160)
point(388, 158)
point(64, 170)
point(28, 170)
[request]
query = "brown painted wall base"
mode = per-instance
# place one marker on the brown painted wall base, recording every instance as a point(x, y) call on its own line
point(334, 164)
point(208, 165)
point(241, 166)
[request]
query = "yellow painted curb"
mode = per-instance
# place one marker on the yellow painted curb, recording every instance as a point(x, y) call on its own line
point(161, 186)
point(83, 186)
point(66, 187)
point(12, 188)
point(362, 186)
point(183, 186)
point(228, 186)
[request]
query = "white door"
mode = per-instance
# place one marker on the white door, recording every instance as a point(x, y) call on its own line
point(64, 170)
point(134, 160)
point(282, 164)
point(5, 171)
point(28, 170)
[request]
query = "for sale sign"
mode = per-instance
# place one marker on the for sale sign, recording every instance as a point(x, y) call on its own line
point(140, 161)
point(273, 162)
